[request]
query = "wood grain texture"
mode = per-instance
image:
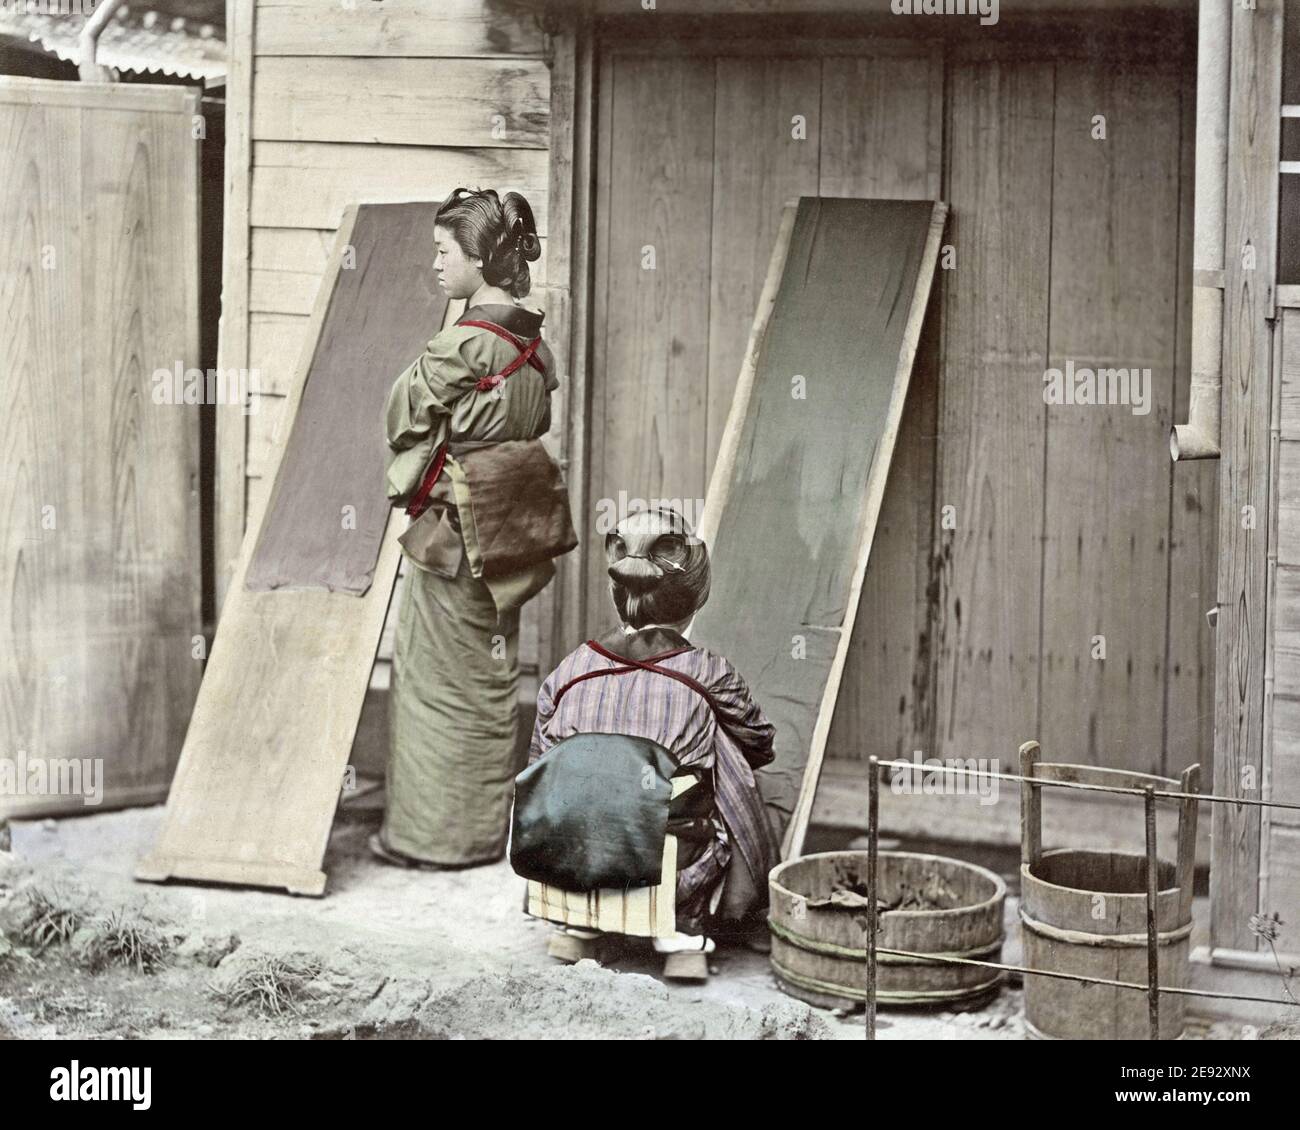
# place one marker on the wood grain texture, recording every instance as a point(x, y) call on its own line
point(232, 343)
point(758, 168)
point(882, 136)
point(991, 413)
point(99, 574)
point(410, 28)
point(478, 103)
point(653, 267)
point(327, 516)
point(307, 185)
point(1244, 471)
point(1114, 287)
point(259, 776)
point(797, 513)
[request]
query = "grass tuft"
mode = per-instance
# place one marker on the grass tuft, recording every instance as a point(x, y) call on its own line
point(50, 921)
point(121, 939)
point(270, 985)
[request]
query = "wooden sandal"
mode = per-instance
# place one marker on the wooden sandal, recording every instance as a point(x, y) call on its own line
point(570, 948)
point(692, 965)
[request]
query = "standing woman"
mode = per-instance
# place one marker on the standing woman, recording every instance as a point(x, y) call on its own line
point(463, 425)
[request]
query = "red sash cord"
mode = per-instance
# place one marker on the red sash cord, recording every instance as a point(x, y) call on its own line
point(629, 665)
point(527, 355)
point(420, 498)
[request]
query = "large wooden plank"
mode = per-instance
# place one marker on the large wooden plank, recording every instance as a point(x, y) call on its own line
point(1107, 475)
point(652, 331)
point(1251, 240)
point(308, 184)
point(326, 518)
point(989, 490)
point(100, 604)
point(882, 130)
point(798, 485)
point(453, 102)
point(259, 776)
point(398, 27)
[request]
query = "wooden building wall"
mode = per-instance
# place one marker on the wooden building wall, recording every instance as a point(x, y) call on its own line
point(1068, 523)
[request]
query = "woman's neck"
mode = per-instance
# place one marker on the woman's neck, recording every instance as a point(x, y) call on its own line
point(487, 295)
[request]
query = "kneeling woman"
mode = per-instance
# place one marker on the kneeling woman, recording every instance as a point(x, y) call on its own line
point(463, 426)
point(691, 702)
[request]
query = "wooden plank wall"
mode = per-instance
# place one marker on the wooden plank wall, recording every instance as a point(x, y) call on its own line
point(376, 103)
point(1013, 532)
point(1070, 522)
point(100, 569)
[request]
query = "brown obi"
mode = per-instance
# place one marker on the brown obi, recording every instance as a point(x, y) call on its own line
point(519, 502)
point(518, 511)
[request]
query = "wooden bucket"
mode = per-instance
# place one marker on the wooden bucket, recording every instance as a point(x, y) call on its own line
point(819, 950)
point(1085, 913)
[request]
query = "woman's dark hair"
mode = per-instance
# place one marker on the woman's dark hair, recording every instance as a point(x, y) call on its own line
point(500, 232)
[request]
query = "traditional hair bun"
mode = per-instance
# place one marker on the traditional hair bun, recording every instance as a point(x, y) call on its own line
point(499, 231)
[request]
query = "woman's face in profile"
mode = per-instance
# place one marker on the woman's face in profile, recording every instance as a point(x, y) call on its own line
point(457, 273)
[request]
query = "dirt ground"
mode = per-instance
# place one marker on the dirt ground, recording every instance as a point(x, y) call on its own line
point(386, 953)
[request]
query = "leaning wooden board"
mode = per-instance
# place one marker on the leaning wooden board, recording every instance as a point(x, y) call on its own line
point(262, 765)
point(795, 495)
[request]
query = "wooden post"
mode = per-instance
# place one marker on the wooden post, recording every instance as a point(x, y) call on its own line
point(232, 347)
point(873, 912)
point(1031, 808)
point(1249, 270)
point(573, 104)
point(1153, 937)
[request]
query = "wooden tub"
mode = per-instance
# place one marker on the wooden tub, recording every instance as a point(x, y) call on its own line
point(1085, 912)
point(819, 949)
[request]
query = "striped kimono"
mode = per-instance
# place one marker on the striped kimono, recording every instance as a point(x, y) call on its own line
point(725, 737)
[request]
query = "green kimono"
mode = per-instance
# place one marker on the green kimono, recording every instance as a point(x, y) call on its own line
point(453, 700)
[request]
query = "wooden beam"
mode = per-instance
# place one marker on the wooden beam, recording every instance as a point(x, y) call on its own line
point(1250, 264)
point(570, 608)
point(232, 348)
point(408, 28)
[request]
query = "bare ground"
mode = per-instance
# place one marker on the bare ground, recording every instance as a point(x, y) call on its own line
point(387, 953)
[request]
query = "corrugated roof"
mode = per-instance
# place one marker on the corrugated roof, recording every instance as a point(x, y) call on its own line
point(171, 37)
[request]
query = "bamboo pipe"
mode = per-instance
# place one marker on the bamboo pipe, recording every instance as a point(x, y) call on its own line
point(88, 43)
point(1199, 437)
